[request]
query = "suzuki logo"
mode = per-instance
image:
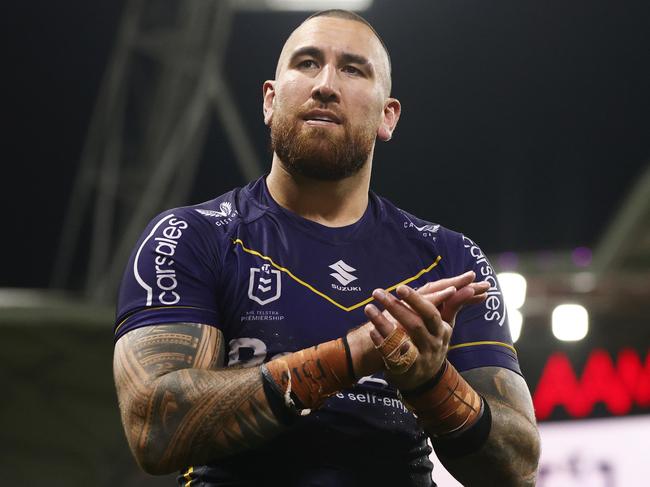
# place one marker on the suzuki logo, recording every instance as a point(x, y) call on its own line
point(342, 273)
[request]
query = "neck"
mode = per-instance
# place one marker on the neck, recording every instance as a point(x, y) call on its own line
point(330, 203)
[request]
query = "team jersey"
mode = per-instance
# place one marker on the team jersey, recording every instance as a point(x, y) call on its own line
point(274, 283)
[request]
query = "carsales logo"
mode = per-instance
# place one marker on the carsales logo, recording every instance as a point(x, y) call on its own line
point(619, 386)
point(165, 273)
point(495, 309)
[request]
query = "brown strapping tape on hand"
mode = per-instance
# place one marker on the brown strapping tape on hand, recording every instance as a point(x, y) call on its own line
point(312, 374)
point(451, 405)
point(398, 362)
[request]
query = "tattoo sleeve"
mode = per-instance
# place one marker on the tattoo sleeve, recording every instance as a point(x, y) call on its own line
point(511, 454)
point(179, 406)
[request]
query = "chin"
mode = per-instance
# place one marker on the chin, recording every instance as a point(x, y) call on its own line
point(320, 167)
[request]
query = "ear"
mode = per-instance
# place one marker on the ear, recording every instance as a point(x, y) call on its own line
point(390, 117)
point(268, 94)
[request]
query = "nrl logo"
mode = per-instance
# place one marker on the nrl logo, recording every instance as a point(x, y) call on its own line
point(225, 210)
point(264, 285)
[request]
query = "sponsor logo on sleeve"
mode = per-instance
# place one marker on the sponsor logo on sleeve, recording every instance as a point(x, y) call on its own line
point(494, 304)
point(166, 234)
point(427, 230)
point(264, 285)
point(224, 214)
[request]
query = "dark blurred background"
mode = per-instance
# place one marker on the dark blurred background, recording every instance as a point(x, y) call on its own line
point(525, 125)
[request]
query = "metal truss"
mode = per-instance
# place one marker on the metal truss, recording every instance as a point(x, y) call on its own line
point(163, 84)
point(625, 245)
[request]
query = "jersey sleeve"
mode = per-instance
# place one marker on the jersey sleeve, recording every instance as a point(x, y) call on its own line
point(481, 336)
point(171, 275)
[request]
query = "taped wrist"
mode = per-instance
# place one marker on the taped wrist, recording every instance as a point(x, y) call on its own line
point(468, 440)
point(448, 404)
point(304, 379)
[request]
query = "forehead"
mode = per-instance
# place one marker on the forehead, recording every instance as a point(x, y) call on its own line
point(335, 35)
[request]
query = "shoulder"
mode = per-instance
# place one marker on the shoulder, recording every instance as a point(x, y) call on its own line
point(220, 213)
point(182, 238)
point(212, 220)
point(449, 243)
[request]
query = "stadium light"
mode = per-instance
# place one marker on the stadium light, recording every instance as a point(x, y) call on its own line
point(570, 322)
point(315, 5)
point(515, 320)
point(513, 286)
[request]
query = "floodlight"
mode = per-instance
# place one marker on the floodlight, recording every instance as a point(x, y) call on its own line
point(513, 286)
point(570, 322)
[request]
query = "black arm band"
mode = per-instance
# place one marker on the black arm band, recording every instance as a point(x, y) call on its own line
point(274, 396)
point(348, 356)
point(430, 384)
point(467, 441)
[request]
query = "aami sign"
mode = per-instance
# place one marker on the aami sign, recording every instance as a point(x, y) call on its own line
point(619, 386)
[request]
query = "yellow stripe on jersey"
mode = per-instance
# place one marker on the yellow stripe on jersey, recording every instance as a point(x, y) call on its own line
point(472, 344)
point(322, 294)
point(188, 476)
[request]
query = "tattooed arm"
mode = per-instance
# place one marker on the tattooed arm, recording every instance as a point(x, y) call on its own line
point(511, 453)
point(179, 406)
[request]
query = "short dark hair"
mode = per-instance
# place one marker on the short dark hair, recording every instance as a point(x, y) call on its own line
point(349, 15)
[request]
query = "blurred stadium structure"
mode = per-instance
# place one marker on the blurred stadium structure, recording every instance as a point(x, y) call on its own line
point(148, 130)
point(164, 82)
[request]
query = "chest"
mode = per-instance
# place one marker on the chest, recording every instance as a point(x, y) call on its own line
point(282, 293)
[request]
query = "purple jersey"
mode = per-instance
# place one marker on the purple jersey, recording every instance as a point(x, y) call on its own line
point(274, 283)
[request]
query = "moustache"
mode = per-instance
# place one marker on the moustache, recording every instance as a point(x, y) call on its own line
point(308, 111)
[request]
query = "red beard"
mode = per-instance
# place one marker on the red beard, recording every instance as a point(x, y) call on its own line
point(320, 152)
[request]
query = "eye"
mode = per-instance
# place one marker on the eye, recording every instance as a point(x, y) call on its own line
point(307, 64)
point(352, 70)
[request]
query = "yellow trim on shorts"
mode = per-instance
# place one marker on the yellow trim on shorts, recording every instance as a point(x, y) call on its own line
point(472, 344)
point(188, 476)
point(322, 294)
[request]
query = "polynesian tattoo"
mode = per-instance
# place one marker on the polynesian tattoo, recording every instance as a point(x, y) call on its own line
point(179, 405)
point(511, 453)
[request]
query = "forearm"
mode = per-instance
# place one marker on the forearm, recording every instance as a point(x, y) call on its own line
point(510, 454)
point(178, 405)
point(196, 416)
point(176, 416)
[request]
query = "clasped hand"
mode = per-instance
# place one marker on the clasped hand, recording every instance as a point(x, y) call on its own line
point(427, 316)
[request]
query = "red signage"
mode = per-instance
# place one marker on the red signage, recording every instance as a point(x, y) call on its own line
point(618, 386)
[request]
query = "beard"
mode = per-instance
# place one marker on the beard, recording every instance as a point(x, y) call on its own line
point(317, 152)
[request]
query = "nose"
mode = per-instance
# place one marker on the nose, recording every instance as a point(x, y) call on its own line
point(325, 86)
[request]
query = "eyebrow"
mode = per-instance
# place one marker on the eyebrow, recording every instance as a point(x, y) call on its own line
point(345, 58)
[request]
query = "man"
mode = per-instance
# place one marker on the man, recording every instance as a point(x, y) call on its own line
point(242, 357)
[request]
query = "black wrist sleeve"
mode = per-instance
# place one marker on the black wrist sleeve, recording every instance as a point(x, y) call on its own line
point(467, 441)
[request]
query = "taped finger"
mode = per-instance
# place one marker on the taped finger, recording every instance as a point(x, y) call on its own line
point(398, 352)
